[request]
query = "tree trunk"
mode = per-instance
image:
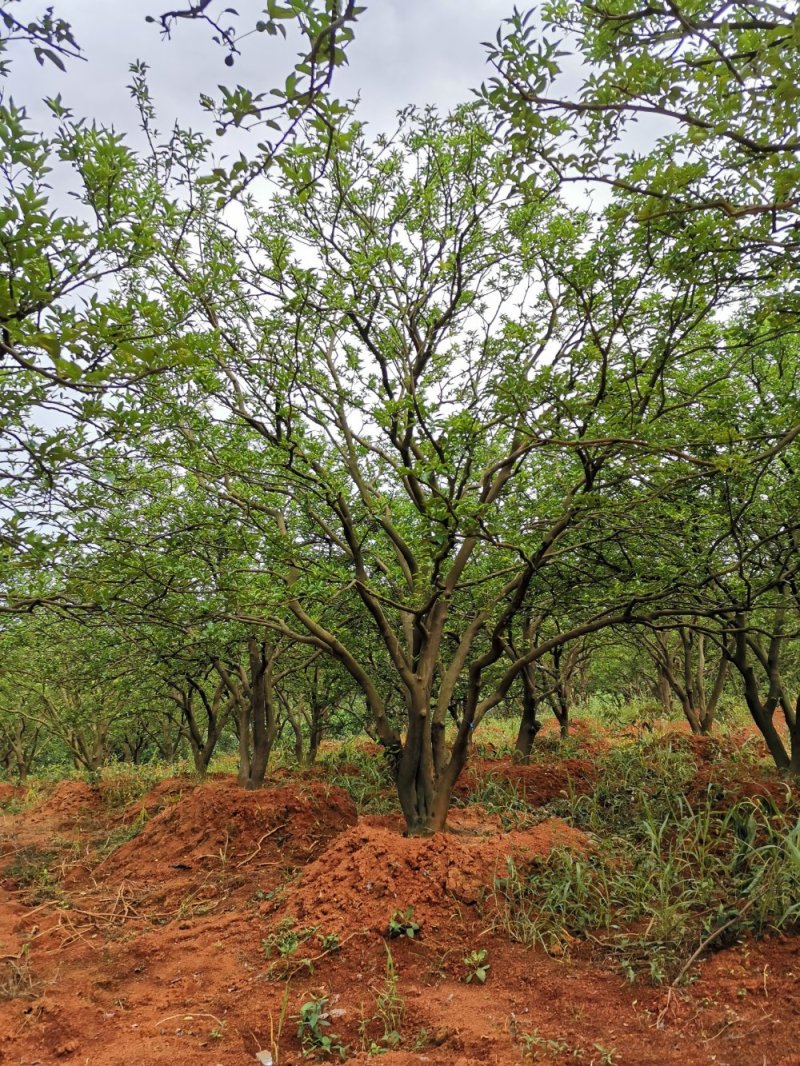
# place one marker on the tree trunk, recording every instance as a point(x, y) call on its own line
point(560, 705)
point(710, 708)
point(425, 791)
point(529, 724)
point(237, 687)
point(416, 784)
point(294, 722)
point(263, 713)
point(243, 732)
point(794, 741)
point(316, 729)
point(762, 711)
point(663, 691)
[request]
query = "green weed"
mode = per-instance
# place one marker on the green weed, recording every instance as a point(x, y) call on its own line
point(665, 877)
point(312, 1021)
point(286, 939)
point(477, 967)
point(390, 1006)
point(365, 778)
point(402, 923)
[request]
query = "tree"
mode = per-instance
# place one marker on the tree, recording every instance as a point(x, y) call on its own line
point(50, 37)
point(680, 659)
point(66, 333)
point(415, 455)
point(69, 689)
point(716, 84)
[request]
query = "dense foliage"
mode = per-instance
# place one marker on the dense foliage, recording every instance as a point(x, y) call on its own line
point(402, 437)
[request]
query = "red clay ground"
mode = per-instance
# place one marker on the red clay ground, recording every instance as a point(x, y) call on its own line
point(172, 948)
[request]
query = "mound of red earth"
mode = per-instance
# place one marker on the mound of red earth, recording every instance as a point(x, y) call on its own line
point(370, 871)
point(70, 801)
point(9, 792)
point(536, 783)
point(162, 795)
point(220, 825)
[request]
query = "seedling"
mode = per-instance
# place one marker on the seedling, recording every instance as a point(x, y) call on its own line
point(285, 940)
point(311, 1021)
point(538, 1047)
point(402, 923)
point(329, 942)
point(477, 966)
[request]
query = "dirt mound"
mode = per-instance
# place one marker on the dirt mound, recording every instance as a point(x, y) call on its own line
point(219, 824)
point(68, 802)
point(370, 871)
point(536, 783)
point(723, 785)
point(9, 792)
point(583, 730)
point(162, 795)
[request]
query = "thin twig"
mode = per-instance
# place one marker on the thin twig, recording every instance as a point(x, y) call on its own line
point(258, 846)
point(712, 936)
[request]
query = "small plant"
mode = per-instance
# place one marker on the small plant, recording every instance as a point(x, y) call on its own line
point(477, 966)
point(391, 1007)
point(540, 1048)
point(16, 978)
point(366, 779)
point(119, 787)
point(32, 869)
point(276, 1030)
point(223, 850)
point(402, 923)
point(117, 837)
point(312, 1020)
point(501, 798)
point(329, 942)
point(286, 939)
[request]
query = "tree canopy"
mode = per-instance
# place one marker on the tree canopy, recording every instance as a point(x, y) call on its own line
point(386, 424)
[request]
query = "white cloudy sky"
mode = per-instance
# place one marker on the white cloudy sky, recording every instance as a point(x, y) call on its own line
point(406, 51)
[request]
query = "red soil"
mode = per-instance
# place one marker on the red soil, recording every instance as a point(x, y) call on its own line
point(218, 824)
point(68, 801)
point(371, 871)
point(151, 954)
point(537, 783)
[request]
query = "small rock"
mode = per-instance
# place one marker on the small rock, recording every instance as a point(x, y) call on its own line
point(264, 1057)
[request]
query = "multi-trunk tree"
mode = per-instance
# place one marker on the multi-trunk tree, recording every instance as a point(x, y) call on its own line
point(426, 391)
point(410, 407)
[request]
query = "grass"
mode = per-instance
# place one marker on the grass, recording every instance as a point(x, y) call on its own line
point(498, 796)
point(666, 878)
point(121, 785)
point(390, 1007)
point(364, 776)
point(33, 868)
point(17, 980)
point(122, 834)
point(28, 795)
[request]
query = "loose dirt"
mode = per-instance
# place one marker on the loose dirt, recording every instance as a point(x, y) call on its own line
point(189, 926)
point(371, 872)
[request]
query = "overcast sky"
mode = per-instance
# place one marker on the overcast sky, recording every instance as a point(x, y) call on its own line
point(406, 51)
